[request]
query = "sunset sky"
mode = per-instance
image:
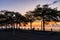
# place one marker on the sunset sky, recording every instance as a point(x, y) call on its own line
point(24, 5)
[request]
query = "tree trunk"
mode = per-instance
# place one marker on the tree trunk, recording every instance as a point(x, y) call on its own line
point(31, 25)
point(6, 25)
point(43, 25)
point(13, 25)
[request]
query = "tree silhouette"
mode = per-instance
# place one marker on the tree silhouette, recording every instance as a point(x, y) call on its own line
point(19, 18)
point(12, 18)
point(2, 19)
point(30, 18)
point(46, 14)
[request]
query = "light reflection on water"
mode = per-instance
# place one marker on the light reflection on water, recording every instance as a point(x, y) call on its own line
point(38, 28)
point(46, 28)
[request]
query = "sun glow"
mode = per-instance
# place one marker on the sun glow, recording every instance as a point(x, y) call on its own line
point(37, 26)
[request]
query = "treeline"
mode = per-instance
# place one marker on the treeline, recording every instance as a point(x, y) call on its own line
point(44, 14)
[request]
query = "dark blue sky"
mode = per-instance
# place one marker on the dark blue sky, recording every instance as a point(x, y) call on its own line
point(24, 5)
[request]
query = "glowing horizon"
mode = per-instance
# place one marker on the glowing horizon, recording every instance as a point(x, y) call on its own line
point(48, 27)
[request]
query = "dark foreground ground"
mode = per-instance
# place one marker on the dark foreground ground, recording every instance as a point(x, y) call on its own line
point(10, 34)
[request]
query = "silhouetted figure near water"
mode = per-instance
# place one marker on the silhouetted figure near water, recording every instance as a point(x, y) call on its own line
point(51, 29)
